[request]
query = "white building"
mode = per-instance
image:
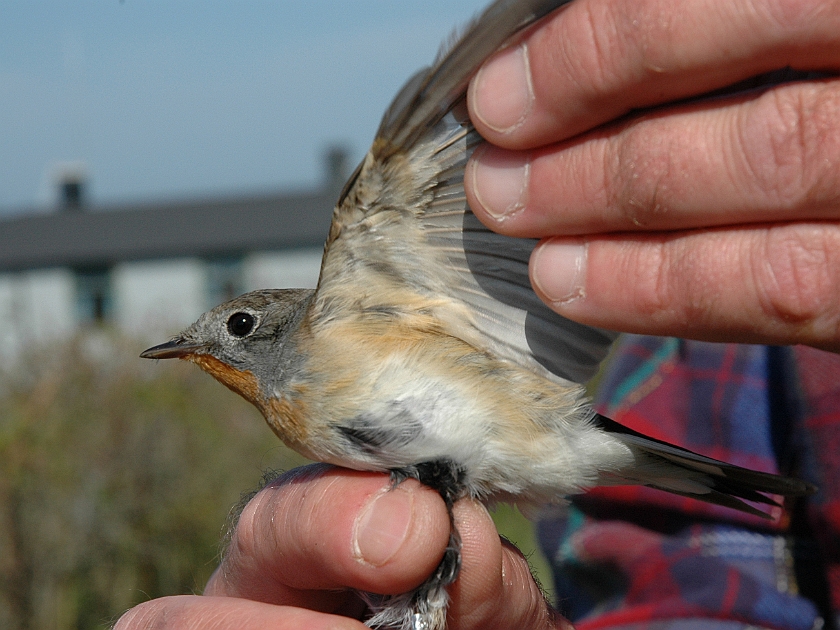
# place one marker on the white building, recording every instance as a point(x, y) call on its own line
point(151, 269)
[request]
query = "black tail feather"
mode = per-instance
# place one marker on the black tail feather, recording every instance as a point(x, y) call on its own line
point(725, 484)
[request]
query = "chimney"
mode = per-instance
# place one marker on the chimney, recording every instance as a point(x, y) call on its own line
point(71, 179)
point(71, 194)
point(335, 163)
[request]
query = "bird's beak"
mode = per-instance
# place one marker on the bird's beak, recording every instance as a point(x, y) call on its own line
point(175, 349)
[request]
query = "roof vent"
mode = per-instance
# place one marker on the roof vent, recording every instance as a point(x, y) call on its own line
point(72, 187)
point(335, 163)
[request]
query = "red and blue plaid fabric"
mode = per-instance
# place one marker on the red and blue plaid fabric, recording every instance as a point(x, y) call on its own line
point(639, 559)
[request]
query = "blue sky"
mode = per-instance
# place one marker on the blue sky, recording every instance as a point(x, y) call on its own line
point(163, 99)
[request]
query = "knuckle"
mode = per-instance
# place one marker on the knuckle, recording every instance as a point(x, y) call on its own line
point(647, 30)
point(630, 38)
point(640, 168)
point(796, 277)
point(691, 283)
point(674, 282)
point(791, 143)
point(591, 31)
point(822, 179)
point(647, 262)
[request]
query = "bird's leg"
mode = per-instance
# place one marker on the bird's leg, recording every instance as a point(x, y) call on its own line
point(425, 607)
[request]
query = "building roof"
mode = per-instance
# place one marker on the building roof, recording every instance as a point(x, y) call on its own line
point(219, 227)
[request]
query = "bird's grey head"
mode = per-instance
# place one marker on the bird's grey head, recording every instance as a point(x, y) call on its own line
point(240, 342)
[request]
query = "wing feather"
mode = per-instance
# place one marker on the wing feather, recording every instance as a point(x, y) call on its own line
point(403, 224)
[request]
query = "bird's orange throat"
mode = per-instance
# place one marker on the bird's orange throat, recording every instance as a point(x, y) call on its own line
point(243, 382)
point(285, 419)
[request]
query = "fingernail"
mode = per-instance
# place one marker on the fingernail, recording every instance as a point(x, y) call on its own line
point(500, 180)
point(382, 526)
point(502, 93)
point(559, 271)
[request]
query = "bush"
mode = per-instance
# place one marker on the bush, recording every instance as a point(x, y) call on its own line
point(116, 477)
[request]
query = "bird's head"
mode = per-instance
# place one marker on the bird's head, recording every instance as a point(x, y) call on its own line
point(240, 342)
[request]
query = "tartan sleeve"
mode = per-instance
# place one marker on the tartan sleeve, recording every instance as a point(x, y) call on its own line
point(637, 558)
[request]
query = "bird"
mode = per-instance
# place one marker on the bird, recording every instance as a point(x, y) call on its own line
point(424, 352)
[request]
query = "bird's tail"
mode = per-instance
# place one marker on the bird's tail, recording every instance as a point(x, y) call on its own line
point(680, 471)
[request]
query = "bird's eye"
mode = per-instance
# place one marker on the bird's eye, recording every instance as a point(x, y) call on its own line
point(240, 324)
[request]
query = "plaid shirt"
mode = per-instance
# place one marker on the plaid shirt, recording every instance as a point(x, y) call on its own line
point(636, 558)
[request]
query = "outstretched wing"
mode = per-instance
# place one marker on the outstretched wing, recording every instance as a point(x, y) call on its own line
point(404, 239)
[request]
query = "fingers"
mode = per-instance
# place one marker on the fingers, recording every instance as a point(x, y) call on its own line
point(227, 613)
point(296, 539)
point(712, 219)
point(305, 538)
point(765, 284)
point(495, 589)
point(598, 59)
point(760, 158)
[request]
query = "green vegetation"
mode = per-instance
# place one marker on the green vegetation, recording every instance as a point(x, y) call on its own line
point(116, 479)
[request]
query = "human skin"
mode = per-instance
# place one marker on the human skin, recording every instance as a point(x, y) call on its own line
point(662, 213)
point(305, 540)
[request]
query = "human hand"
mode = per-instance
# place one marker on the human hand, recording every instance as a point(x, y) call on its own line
point(715, 219)
point(305, 540)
